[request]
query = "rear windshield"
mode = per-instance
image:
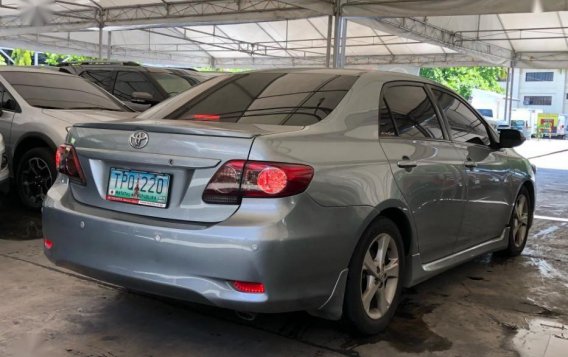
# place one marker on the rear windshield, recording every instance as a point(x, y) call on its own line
point(268, 98)
point(57, 91)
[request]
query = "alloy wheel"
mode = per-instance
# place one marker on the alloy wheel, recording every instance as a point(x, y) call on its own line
point(379, 276)
point(35, 179)
point(520, 220)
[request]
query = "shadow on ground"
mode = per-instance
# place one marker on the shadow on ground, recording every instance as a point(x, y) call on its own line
point(16, 222)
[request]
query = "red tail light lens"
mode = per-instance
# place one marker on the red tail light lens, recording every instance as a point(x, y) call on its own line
point(224, 187)
point(238, 178)
point(47, 243)
point(67, 163)
point(247, 287)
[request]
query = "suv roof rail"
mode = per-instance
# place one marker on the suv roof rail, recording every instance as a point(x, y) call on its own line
point(82, 63)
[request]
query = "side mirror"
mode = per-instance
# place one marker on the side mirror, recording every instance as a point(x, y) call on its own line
point(510, 138)
point(142, 98)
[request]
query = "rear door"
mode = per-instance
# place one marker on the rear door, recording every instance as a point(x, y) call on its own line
point(485, 167)
point(425, 164)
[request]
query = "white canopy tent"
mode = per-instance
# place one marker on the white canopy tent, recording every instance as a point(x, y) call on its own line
point(266, 33)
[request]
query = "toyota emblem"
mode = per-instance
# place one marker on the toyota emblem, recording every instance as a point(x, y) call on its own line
point(139, 139)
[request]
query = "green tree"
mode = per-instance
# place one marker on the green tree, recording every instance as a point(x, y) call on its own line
point(464, 79)
point(2, 61)
point(22, 57)
point(54, 59)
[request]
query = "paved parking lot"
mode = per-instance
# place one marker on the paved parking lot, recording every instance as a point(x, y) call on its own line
point(490, 306)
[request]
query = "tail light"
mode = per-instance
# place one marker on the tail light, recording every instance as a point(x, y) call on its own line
point(67, 163)
point(248, 287)
point(238, 178)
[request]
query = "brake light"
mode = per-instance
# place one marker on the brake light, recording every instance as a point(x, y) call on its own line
point(238, 178)
point(247, 287)
point(67, 163)
point(209, 117)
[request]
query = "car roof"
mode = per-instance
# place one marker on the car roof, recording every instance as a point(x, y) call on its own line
point(384, 76)
point(26, 69)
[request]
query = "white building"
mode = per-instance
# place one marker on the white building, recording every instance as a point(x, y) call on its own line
point(541, 89)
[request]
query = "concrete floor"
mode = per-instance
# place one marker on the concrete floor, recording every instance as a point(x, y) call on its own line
point(488, 307)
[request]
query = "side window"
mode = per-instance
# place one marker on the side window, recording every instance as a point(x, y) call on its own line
point(7, 101)
point(465, 126)
point(104, 79)
point(411, 111)
point(386, 125)
point(130, 82)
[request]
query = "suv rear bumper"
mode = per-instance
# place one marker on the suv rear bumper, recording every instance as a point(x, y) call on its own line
point(293, 246)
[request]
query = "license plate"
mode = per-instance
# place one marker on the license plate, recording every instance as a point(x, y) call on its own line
point(138, 187)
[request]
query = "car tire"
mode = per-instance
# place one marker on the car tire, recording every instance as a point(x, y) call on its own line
point(34, 176)
point(375, 278)
point(520, 223)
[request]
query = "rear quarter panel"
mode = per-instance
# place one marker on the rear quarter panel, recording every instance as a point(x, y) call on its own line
point(350, 167)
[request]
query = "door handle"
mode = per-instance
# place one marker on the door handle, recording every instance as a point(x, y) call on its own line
point(469, 163)
point(406, 163)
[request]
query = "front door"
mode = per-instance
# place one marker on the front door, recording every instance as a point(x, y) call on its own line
point(487, 209)
point(426, 167)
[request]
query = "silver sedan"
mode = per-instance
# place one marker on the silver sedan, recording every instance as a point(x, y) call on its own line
point(319, 190)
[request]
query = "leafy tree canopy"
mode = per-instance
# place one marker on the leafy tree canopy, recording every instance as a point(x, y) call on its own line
point(464, 79)
point(22, 57)
point(53, 59)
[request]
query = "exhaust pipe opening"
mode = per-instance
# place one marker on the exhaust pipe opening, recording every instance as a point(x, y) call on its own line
point(247, 316)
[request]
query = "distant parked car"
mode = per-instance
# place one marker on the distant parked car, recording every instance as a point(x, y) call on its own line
point(283, 190)
point(37, 107)
point(140, 87)
point(4, 173)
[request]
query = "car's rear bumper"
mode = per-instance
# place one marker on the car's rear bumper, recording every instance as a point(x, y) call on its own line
point(293, 246)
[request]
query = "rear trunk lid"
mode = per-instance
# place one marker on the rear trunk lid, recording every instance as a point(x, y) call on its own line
point(188, 153)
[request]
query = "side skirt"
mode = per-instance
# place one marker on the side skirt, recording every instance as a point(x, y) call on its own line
point(421, 272)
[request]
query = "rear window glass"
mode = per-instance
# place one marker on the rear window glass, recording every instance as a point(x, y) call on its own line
point(269, 98)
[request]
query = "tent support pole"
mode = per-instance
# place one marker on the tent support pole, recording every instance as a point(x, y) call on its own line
point(329, 35)
point(511, 96)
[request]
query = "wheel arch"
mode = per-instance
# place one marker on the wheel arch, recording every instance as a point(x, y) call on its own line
point(398, 212)
point(529, 185)
point(27, 142)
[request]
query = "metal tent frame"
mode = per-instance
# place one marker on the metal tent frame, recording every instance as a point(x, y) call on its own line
point(268, 33)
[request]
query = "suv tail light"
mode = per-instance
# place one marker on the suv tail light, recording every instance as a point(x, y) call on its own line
point(239, 178)
point(67, 163)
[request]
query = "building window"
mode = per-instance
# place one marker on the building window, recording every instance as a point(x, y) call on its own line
point(537, 100)
point(539, 76)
